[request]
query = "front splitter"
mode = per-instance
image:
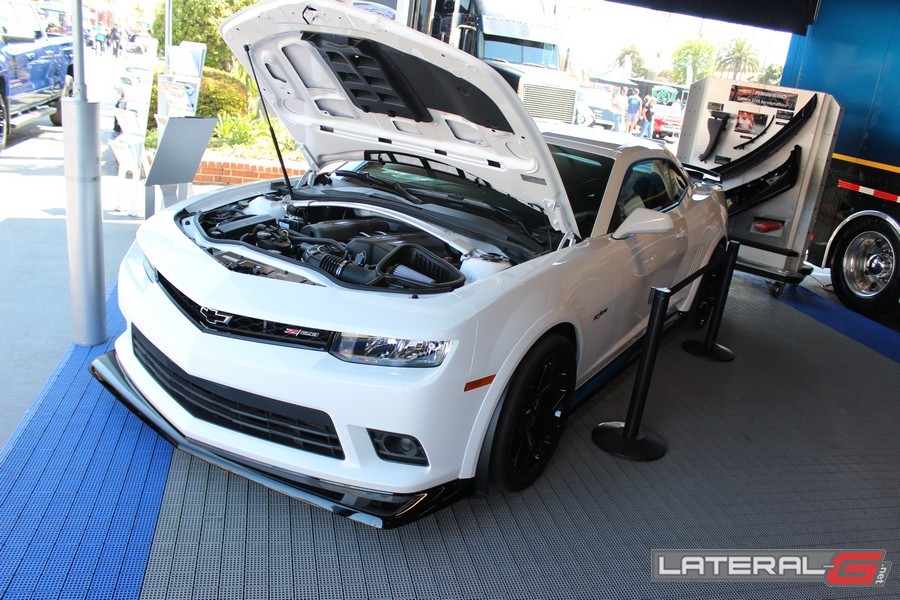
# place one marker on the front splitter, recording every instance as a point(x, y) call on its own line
point(371, 507)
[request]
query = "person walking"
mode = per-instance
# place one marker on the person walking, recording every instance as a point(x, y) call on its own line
point(100, 39)
point(634, 109)
point(619, 108)
point(114, 41)
point(647, 116)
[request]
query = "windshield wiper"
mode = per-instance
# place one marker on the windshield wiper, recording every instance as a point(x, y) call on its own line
point(478, 204)
point(378, 182)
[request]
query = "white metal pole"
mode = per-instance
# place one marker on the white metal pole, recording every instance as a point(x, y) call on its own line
point(168, 38)
point(84, 214)
point(80, 89)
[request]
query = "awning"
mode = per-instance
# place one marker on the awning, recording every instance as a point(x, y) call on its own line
point(791, 15)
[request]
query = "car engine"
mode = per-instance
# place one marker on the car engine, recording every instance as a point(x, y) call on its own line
point(353, 249)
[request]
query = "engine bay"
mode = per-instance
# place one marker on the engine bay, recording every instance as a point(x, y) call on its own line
point(353, 247)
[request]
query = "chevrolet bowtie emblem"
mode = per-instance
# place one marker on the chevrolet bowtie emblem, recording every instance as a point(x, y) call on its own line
point(215, 317)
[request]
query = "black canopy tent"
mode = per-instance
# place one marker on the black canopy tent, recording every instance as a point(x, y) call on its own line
point(782, 15)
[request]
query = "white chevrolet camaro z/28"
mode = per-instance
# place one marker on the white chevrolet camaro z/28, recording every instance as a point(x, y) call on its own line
point(414, 316)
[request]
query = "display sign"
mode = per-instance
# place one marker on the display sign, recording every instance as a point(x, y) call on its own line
point(763, 97)
point(771, 145)
point(179, 90)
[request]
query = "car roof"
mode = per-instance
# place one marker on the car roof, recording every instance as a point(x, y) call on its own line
point(599, 141)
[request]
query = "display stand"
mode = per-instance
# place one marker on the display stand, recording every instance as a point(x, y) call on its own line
point(135, 80)
point(771, 147)
point(128, 147)
point(181, 147)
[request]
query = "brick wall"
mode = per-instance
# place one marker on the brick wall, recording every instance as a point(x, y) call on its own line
point(238, 170)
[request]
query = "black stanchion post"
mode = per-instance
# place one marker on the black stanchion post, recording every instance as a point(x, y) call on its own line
point(625, 439)
point(709, 348)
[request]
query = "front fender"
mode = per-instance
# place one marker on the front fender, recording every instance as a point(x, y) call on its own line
point(513, 324)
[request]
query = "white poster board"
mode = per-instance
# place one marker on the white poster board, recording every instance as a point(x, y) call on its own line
point(775, 232)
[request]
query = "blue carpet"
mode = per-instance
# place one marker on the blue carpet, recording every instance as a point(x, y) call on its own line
point(867, 332)
point(81, 481)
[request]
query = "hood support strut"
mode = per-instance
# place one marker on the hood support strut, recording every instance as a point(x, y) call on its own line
point(284, 172)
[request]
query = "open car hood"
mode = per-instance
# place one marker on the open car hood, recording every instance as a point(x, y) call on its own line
point(346, 82)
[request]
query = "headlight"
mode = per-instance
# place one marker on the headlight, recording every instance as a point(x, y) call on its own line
point(389, 352)
point(149, 271)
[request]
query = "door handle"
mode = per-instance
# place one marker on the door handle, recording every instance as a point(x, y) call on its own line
point(682, 233)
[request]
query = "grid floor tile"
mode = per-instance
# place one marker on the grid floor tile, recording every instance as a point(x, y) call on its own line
point(793, 445)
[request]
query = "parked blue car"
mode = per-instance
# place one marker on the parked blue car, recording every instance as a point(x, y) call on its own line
point(35, 68)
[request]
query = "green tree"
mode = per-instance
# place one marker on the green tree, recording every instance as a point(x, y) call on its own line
point(695, 58)
point(198, 21)
point(632, 55)
point(666, 75)
point(771, 75)
point(738, 57)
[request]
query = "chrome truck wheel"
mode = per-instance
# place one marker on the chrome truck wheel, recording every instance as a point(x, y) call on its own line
point(864, 268)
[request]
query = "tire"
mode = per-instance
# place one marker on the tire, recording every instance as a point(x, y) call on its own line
point(56, 118)
point(531, 423)
point(864, 269)
point(4, 121)
point(708, 294)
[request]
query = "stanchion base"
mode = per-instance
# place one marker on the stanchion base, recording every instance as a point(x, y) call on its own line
point(717, 353)
point(609, 438)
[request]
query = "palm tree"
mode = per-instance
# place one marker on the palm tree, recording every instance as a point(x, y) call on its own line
point(629, 58)
point(631, 61)
point(627, 55)
point(738, 56)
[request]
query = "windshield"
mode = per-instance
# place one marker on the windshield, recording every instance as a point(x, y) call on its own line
point(473, 206)
point(596, 97)
point(585, 177)
point(415, 177)
point(18, 19)
point(520, 52)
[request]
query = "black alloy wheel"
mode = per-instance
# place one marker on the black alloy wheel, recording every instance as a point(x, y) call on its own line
point(708, 294)
point(538, 402)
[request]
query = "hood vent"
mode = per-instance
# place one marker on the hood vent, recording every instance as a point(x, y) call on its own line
point(379, 79)
point(372, 81)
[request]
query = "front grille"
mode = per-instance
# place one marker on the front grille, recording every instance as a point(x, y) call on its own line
point(265, 418)
point(548, 102)
point(211, 320)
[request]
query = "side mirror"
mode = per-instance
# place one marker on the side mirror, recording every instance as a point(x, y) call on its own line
point(13, 38)
point(703, 191)
point(644, 220)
